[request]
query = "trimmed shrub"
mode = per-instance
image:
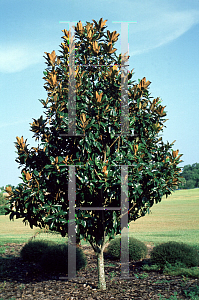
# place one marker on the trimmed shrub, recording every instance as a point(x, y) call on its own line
point(137, 249)
point(55, 259)
point(33, 250)
point(173, 252)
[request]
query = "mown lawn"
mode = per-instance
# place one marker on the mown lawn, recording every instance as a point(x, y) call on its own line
point(173, 219)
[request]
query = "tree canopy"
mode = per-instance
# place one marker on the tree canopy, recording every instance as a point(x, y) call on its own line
point(99, 148)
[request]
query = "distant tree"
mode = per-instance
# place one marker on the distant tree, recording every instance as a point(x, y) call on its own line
point(2, 199)
point(42, 198)
point(190, 174)
point(190, 184)
point(3, 202)
point(182, 184)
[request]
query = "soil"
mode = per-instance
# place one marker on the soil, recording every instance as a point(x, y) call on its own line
point(22, 280)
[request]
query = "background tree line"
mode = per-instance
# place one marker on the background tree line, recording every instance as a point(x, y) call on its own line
point(190, 174)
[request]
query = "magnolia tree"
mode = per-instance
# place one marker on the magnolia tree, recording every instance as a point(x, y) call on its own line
point(99, 147)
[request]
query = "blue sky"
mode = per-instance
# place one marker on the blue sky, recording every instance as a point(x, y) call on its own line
point(163, 47)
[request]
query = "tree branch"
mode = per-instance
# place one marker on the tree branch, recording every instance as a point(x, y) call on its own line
point(98, 175)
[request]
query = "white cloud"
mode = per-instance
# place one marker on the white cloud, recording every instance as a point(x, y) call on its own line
point(157, 25)
point(16, 58)
point(160, 29)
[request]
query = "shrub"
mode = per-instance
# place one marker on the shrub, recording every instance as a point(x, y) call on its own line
point(137, 249)
point(173, 252)
point(180, 269)
point(55, 259)
point(33, 250)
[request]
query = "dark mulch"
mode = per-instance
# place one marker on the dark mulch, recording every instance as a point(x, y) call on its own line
point(22, 280)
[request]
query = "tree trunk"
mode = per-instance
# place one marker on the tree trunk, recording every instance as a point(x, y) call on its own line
point(101, 273)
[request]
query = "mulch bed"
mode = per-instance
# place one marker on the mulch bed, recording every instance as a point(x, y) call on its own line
point(20, 280)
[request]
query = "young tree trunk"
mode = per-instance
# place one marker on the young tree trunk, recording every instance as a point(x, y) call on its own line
point(101, 273)
point(99, 252)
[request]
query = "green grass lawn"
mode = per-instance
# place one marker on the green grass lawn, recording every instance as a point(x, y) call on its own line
point(173, 219)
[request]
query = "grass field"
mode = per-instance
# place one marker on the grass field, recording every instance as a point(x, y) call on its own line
point(173, 219)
